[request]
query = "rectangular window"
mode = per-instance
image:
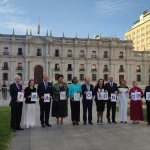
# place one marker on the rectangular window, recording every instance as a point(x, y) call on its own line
point(105, 54)
point(5, 76)
point(105, 77)
point(81, 77)
point(69, 67)
point(94, 54)
point(93, 77)
point(19, 51)
point(81, 67)
point(69, 53)
point(138, 69)
point(5, 64)
point(121, 55)
point(5, 51)
point(138, 78)
point(93, 66)
point(69, 77)
point(56, 77)
point(81, 53)
point(38, 52)
point(19, 66)
point(56, 66)
point(57, 53)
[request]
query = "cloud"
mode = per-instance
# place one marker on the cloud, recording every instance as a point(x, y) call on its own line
point(107, 8)
point(12, 17)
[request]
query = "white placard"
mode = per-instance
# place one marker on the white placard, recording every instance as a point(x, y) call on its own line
point(137, 95)
point(63, 95)
point(89, 95)
point(124, 96)
point(133, 97)
point(105, 96)
point(46, 97)
point(33, 96)
point(147, 95)
point(100, 95)
point(20, 96)
point(77, 96)
point(113, 97)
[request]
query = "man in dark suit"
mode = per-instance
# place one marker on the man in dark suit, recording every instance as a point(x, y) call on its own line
point(111, 87)
point(147, 89)
point(45, 88)
point(87, 104)
point(16, 105)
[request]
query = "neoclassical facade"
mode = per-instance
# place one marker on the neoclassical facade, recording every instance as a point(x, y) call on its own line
point(32, 56)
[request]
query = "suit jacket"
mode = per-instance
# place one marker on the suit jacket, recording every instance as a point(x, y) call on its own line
point(14, 93)
point(110, 89)
point(56, 89)
point(41, 90)
point(147, 89)
point(84, 89)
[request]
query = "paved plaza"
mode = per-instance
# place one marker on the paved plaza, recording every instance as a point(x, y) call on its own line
point(90, 137)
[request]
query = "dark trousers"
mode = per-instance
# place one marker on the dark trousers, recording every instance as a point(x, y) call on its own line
point(44, 112)
point(75, 111)
point(87, 105)
point(16, 114)
point(148, 111)
point(111, 105)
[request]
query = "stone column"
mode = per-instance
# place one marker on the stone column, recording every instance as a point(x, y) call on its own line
point(46, 67)
point(26, 49)
point(12, 71)
point(26, 72)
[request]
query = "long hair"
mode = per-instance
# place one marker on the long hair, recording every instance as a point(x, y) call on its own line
point(73, 79)
point(98, 82)
point(30, 82)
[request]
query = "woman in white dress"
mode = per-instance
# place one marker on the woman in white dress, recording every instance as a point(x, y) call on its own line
point(123, 100)
point(29, 119)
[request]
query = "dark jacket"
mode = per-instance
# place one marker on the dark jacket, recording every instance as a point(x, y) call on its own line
point(84, 89)
point(110, 89)
point(41, 90)
point(14, 94)
point(27, 92)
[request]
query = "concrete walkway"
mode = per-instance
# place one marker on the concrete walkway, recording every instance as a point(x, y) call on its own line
point(90, 137)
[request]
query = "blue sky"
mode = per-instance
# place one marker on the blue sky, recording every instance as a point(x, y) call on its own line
point(104, 17)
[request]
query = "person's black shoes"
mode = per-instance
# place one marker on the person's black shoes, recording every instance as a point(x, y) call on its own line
point(42, 125)
point(73, 123)
point(114, 122)
point(84, 123)
point(90, 123)
point(19, 128)
point(77, 123)
point(109, 121)
point(48, 125)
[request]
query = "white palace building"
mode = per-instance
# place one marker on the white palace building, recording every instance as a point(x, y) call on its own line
point(32, 56)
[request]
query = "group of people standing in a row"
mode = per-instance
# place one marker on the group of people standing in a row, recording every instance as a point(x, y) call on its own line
point(60, 107)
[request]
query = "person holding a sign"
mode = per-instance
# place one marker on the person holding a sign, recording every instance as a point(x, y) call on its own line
point(74, 94)
point(136, 111)
point(60, 103)
point(29, 118)
point(45, 88)
point(123, 100)
point(88, 95)
point(111, 87)
point(16, 105)
point(147, 97)
point(99, 99)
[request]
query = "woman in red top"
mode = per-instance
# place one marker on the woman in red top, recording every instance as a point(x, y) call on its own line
point(136, 112)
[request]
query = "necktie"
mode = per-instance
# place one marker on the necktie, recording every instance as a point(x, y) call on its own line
point(19, 88)
point(88, 87)
point(46, 85)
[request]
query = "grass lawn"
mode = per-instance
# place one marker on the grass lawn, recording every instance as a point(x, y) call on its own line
point(5, 132)
point(128, 113)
